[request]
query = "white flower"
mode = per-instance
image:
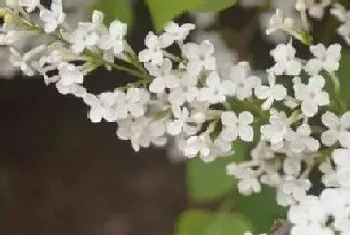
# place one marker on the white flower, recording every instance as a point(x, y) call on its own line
point(52, 18)
point(177, 32)
point(292, 166)
point(270, 93)
point(74, 89)
point(300, 140)
point(234, 127)
point(135, 130)
point(329, 177)
point(248, 182)
point(108, 105)
point(316, 8)
point(343, 16)
point(276, 131)
point(341, 158)
point(292, 190)
point(115, 38)
point(216, 89)
point(17, 60)
point(200, 55)
point(133, 102)
point(338, 129)
point(218, 148)
point(24, 61)
point(309, 217)
point(97, 110)
point(9, 37)
point(86, 35)
point(114, 106)
point(311, 96)
point(180, 124)
point(164, 77)
point(286, 63)
point(69, 74)
point(197, 145)
point(157, 132)
point(244, 83)
point(327, 59)
point(142, 132)
point(29, 4)
point(279, 22)
point(309, 210)
point(154, 51)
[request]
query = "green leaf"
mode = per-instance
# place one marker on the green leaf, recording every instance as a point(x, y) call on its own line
point(193, 222)
point(208, 181)
point(163, 11)
point(260, 208)
point(229, 224)
point(344, 75)
point(115, 10)
point(200, 222)
point(217, 5)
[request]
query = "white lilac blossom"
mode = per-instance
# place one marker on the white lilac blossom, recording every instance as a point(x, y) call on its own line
point(164, 77)
point(114, 39)
point(276, 131)
point(29, 4)
point(53, 17)
point(286, 63)
point(271, 93)
point(234, 126)
point(87, 34)
point(340, 12)
point(178, 33)
point(338, 129)
point(311, 95)
point(155, 45)
point(200, 56)
point(216, 90)
point(244, 82)
point(327, 59)
point(180, 123)
point(316, 8)
point(248, 179)
point(207, 109)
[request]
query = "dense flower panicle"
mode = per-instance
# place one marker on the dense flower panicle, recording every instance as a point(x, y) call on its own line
point(207, 110)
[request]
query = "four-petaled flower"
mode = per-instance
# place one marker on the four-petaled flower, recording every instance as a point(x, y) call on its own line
point(270, 93)
point(286, 63)
point(234, 126)
point(114, 39)
point(52, 18)
point(154, 51)
point(338, 129)
point(311, 95)
point(164, 77)
point(327, 59)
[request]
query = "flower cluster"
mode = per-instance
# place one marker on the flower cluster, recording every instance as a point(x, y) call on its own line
point(296, 130)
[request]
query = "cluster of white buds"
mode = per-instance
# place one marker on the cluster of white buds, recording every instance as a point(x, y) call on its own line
point(296, 130)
